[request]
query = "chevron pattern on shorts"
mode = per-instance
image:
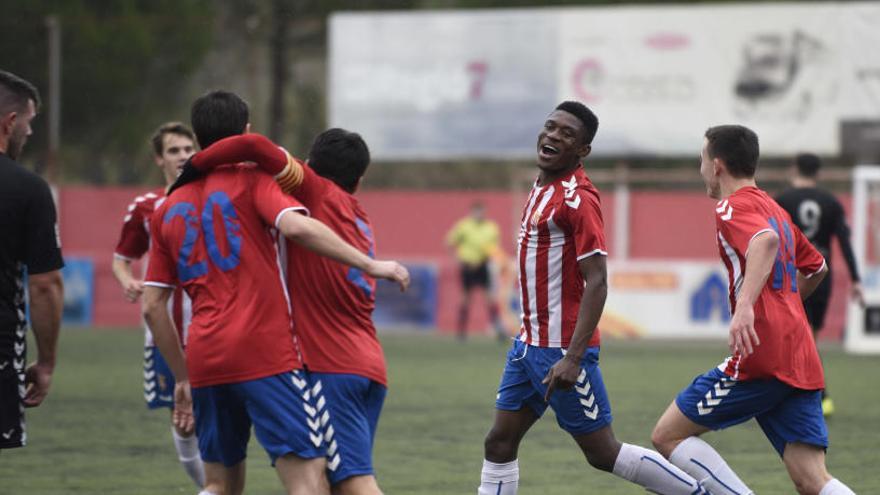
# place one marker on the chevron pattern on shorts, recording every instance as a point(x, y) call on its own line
point(587, 397)
point(715, 395)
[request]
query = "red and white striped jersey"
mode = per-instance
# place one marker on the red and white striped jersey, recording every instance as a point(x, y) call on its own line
point(134, 243)
point(561, 225)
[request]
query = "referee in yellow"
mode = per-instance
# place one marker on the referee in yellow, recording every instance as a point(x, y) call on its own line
point(473, 240)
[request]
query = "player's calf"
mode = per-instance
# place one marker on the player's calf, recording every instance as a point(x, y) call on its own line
point(806, 467)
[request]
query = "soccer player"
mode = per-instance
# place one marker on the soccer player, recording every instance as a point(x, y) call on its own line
point(555, 360)
point(475, 240)
point(30, 242)
point(215, 236)
point(333, 303)
point(820, 216)
point(774, 374)
point(173, 144)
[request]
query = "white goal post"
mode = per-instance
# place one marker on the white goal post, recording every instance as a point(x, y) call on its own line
point(863, 325)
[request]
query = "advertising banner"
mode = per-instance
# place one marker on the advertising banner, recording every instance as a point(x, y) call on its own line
point(666, 299)
point(478, 83)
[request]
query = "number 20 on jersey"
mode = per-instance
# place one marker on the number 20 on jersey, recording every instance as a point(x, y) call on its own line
point(188, 269)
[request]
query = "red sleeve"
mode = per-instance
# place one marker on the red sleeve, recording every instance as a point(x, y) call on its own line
point(161, 268)
point(271, 201)
point(739, 224)
point(312, 188)
point(807, 258)
point(134, 240)
point(583, 216)
point(242, 148)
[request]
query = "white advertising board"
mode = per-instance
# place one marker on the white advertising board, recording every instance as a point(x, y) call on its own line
point(454, 84)
point(666, 299)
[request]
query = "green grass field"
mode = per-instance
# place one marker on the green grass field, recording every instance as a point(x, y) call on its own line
point(95, 436)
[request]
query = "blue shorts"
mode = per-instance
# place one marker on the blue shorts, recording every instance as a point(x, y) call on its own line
point(353, 405)
point(786, 414)
point(582, 409)
point(280, 408)
point(158, 380)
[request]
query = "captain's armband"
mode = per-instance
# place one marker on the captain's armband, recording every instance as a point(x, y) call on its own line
point(291, 176)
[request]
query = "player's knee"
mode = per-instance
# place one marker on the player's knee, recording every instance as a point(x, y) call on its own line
point(500, 446)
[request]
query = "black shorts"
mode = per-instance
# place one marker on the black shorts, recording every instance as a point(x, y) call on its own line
point(817, 304)
point(12, 433)
point(475, 276)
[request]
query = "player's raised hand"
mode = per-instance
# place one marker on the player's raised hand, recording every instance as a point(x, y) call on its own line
point(742, 338)
point(563, 375)
point(390, 270)
point(183, 411)
point(133, 290)
point(38, 379)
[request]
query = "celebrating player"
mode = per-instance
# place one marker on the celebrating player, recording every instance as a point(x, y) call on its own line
point(173, 144)
point(819, 215)
point(555, 360)
point(334, 303)
point(214, 236)
point(774, 374)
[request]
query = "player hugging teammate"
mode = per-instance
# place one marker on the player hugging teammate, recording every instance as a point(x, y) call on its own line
point(218, 235)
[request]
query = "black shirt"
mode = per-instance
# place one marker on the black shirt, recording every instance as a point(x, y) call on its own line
point(28, 238)
point(820, 216)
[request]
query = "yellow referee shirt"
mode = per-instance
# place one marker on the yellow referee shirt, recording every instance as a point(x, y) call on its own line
point(474, 241)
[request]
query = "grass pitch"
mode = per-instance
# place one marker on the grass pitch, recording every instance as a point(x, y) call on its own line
point(94, 435)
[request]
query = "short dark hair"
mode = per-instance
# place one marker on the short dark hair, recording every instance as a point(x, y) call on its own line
point(807, 164)
point(585, 115)
point(158, 137)
point(217, 115)
point(737, 145)
point(15, 93)
point(341, 156)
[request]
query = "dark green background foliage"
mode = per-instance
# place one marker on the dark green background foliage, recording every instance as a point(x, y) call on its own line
point(123, 62)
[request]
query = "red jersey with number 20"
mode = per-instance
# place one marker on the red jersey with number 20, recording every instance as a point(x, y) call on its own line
point(217, 237)
point(332, 303)
point(561, 225)
point(787, 351)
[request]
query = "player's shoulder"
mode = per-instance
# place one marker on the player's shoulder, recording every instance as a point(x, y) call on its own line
point(578, 189)
point(745, 201)
point(22, 179)
point(146, 202)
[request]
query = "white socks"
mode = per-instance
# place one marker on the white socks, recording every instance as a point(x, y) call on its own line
point(701, 461)
point(188, 454)
point(835, 487)
point(206, 492)
point(499, 479)
point(649, 469)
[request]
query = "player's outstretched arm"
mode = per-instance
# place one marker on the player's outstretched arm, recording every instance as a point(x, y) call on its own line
point(132, 288)
point(564, 373)
point(760, 256)
point(317, 237)
point(46, 301)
